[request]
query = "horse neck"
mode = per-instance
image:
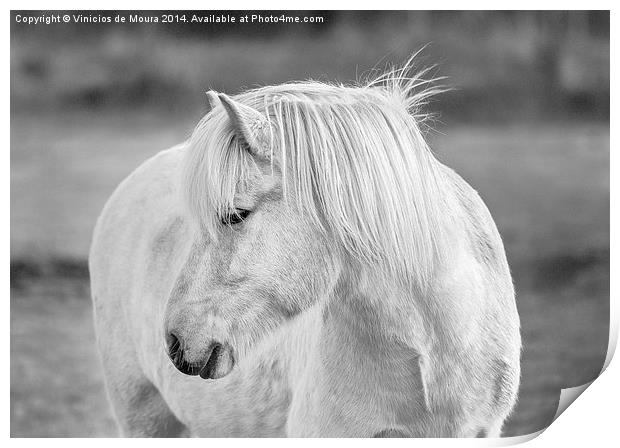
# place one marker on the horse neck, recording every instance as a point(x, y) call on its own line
point(350, 361)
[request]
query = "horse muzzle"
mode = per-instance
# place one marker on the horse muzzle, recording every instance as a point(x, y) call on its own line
point(215, 362)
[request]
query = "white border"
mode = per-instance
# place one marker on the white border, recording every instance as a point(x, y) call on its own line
point(316, 5)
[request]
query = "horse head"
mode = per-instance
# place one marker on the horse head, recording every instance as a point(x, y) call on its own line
point(256, 262)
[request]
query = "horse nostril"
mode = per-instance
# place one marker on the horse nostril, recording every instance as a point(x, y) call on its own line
point(216, 362)
point(220, 362)
point(172, 342)
point(177, 356)
point(215, 353)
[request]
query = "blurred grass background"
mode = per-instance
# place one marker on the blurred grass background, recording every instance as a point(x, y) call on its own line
point(527, 124)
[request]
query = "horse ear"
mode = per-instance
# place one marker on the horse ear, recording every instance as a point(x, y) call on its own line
point(213, 100)
point(251, 126)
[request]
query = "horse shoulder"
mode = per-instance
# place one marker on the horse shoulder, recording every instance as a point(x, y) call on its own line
point(135, 206)
point(134, 241)
point(476, 320)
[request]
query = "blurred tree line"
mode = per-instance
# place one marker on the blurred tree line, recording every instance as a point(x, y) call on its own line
point(502, 64)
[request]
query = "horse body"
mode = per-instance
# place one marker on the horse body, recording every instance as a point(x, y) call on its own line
point(350, 351)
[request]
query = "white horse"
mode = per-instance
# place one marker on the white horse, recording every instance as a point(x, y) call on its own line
point(304, 266)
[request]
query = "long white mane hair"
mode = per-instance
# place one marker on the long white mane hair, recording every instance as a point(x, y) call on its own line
point(355, 158)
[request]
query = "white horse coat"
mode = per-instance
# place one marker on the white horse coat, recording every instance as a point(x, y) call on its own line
point(352, 284)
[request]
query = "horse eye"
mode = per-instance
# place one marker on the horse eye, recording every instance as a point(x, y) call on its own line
point(236, 216)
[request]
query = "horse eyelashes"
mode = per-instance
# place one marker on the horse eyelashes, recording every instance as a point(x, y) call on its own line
point(236, 217)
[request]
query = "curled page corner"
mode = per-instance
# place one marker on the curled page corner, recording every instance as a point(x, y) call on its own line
point(613, 339)
point(568, 396)
point(515, 440)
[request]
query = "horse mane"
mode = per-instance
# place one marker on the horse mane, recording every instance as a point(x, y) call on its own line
point(355, 159)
